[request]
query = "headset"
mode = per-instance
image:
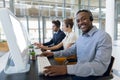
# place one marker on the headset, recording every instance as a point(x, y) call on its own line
point(91, 18)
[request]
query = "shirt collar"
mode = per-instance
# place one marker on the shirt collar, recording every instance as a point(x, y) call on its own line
point(67, 33)
point(91, 32)
point(57, 31)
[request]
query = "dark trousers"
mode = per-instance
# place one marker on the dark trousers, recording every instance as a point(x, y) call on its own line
point(85, 78)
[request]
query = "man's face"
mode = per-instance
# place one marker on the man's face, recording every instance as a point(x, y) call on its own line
point(54, 28)
point(83, 21)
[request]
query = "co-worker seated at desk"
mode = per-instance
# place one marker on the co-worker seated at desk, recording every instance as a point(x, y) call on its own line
point(93, 49)
point(68, 40)
point(58, 36)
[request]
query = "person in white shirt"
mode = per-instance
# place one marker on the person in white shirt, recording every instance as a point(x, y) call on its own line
point(68, 40)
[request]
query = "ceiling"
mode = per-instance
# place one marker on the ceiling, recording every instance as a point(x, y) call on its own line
point(53, 7)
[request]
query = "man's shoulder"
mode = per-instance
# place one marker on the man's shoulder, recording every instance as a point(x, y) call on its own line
point(102, 34)
point(61, 32)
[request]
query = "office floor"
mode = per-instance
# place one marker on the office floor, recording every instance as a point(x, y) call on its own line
point(116, 65)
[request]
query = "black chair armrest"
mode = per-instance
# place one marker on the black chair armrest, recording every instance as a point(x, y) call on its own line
point(107, 73)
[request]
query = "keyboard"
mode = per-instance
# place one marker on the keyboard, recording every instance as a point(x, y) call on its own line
point(41, 62)
point(37, 51)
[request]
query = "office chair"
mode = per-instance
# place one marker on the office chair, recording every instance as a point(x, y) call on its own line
point(108, 74)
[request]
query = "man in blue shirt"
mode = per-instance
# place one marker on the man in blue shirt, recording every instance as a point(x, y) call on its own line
point(58, 36)
point(93, 49)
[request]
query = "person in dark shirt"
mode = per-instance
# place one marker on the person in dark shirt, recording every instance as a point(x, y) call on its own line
point(58, 36)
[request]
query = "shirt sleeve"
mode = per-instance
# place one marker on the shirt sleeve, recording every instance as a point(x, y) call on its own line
point(99, 64)
point(67, 52)
point(48, 43)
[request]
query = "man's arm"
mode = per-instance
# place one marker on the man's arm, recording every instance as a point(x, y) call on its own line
point(68, 52)
point(55, 46)
point(99, 65)
point(48, 43)
point(52, 47)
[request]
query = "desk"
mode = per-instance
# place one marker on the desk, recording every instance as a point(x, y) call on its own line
point(33, 74)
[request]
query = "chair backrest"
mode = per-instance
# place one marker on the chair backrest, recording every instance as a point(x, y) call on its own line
point(107, 73)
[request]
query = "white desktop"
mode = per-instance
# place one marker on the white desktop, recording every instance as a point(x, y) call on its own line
point(17, 60)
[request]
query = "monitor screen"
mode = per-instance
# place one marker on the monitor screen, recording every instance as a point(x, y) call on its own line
point(20, 38)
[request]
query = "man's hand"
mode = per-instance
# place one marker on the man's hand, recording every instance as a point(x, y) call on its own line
point(47, 54)
point(43, 47)
point(55, 70)
point(37, 44)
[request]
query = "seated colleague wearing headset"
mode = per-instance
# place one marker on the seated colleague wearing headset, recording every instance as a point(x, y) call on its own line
point(68, 40)
point(58, 36)
point(93, 49)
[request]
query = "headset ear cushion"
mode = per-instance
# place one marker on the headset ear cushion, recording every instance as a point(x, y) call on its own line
point(91, 18)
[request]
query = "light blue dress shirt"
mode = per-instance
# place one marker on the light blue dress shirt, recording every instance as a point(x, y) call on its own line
point(93, 51)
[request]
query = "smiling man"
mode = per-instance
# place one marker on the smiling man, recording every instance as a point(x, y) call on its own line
point(93, 49)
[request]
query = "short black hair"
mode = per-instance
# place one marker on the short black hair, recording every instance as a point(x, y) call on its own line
point(87, 11)
point(56, 22)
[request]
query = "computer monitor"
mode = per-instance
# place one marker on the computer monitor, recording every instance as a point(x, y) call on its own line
point(17, 42)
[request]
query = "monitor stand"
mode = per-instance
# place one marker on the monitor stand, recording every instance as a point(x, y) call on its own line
point(3, 61)
point(13, 67)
